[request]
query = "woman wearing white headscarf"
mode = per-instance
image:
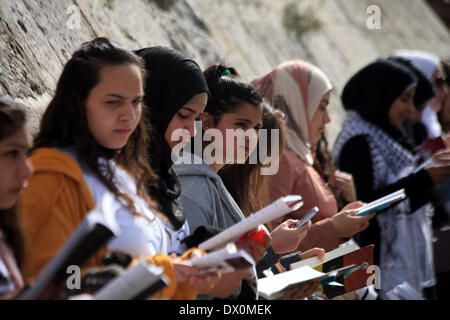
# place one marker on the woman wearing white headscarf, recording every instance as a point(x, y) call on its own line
point(302, 92)
point(430, 65)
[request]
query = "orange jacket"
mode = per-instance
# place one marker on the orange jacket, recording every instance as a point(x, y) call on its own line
point(55, 202)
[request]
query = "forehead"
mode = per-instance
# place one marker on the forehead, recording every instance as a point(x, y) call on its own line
point(125, 79)
point(20, 138)
point(246, 111)
point(196, 108)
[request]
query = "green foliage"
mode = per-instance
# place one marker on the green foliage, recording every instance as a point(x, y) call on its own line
point(299, 21)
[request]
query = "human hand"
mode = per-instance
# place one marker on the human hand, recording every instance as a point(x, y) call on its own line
point(286, 238)
point(315, 252)
point(344, 182)
point(347, 223)
point(303, 291)
point(229, 283)
point(186, 272)
point(438, 172)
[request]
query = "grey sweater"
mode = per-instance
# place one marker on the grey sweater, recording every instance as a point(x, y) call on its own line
point(205, 199)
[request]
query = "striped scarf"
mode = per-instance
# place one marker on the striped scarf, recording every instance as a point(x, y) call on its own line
point(406, 252)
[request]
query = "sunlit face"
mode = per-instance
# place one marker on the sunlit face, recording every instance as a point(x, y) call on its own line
point(401, 108)
point(114, 105)
point(248, 118)
point(183, 119)
point(320, 118)
point(15, 169)
point(441, 90)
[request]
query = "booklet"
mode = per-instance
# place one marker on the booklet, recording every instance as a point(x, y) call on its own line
point(273, 211)
point(274, 287)
point(136, 283)
point(227, 259)
point(382, 203)
point(98, 227)
point(432, 146)
point(351, 255)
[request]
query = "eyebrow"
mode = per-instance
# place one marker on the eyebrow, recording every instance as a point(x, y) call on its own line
point(243, 119)
point(189, 109)
point(18, 145)
point(115, 95)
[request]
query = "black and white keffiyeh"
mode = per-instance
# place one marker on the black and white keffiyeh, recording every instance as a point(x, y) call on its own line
point(406, 252)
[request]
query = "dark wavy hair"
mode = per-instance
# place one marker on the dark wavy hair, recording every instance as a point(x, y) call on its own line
point(227, 91)
point(12, 119)
point(64, 123)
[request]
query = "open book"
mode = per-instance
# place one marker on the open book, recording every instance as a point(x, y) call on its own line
point(274, 287)
point(382, 203)
point(273, 211)
point(227, 259)
point(95, 230)
point(351, 255)
point(138, 282)
point(432, 146)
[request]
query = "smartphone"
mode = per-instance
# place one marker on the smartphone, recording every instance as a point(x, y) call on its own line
point(382, 203)
point(307, 217)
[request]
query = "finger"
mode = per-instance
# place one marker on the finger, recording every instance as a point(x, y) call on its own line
point(315, 252)
point(313, 288)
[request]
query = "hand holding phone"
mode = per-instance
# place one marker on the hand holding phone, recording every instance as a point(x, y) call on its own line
point(307, 217)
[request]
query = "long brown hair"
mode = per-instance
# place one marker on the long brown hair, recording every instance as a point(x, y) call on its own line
point(244, 181)
point(12, 119)
point(64, 123)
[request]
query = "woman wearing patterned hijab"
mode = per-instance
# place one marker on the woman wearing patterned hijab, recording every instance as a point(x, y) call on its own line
point(378, 98)
point(302, 92)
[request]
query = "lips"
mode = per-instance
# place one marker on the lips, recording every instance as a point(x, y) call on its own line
point(17, 190)
point(122, 131)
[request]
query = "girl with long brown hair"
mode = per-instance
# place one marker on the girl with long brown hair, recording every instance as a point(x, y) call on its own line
point(92, 143)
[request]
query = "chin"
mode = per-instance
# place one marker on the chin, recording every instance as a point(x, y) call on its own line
point(8, 204)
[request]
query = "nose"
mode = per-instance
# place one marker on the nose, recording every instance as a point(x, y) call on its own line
point(25, 170)
point(130, 113)
point(326, 118)
point(191, 128)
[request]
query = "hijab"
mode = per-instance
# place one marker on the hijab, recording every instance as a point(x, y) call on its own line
point(373, 89)
point(424, 90)
point(172, 80)
point(296, 88)
point(427, 63)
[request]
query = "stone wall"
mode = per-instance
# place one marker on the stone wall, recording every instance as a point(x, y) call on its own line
point(38, 36)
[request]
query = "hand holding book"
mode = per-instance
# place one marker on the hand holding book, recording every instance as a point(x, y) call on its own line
point(347, 224)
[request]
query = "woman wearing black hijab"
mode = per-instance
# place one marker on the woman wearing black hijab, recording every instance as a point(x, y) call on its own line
point(378, 99)
point(176, 93)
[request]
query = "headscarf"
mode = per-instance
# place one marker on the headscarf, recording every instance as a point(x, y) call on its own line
point(172, 80)
point(296, 88)
point(416, 133)
point(427, 63)
point(373, 89)
point(424, 90)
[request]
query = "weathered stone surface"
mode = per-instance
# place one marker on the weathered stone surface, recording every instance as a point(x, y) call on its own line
point(35, 38)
